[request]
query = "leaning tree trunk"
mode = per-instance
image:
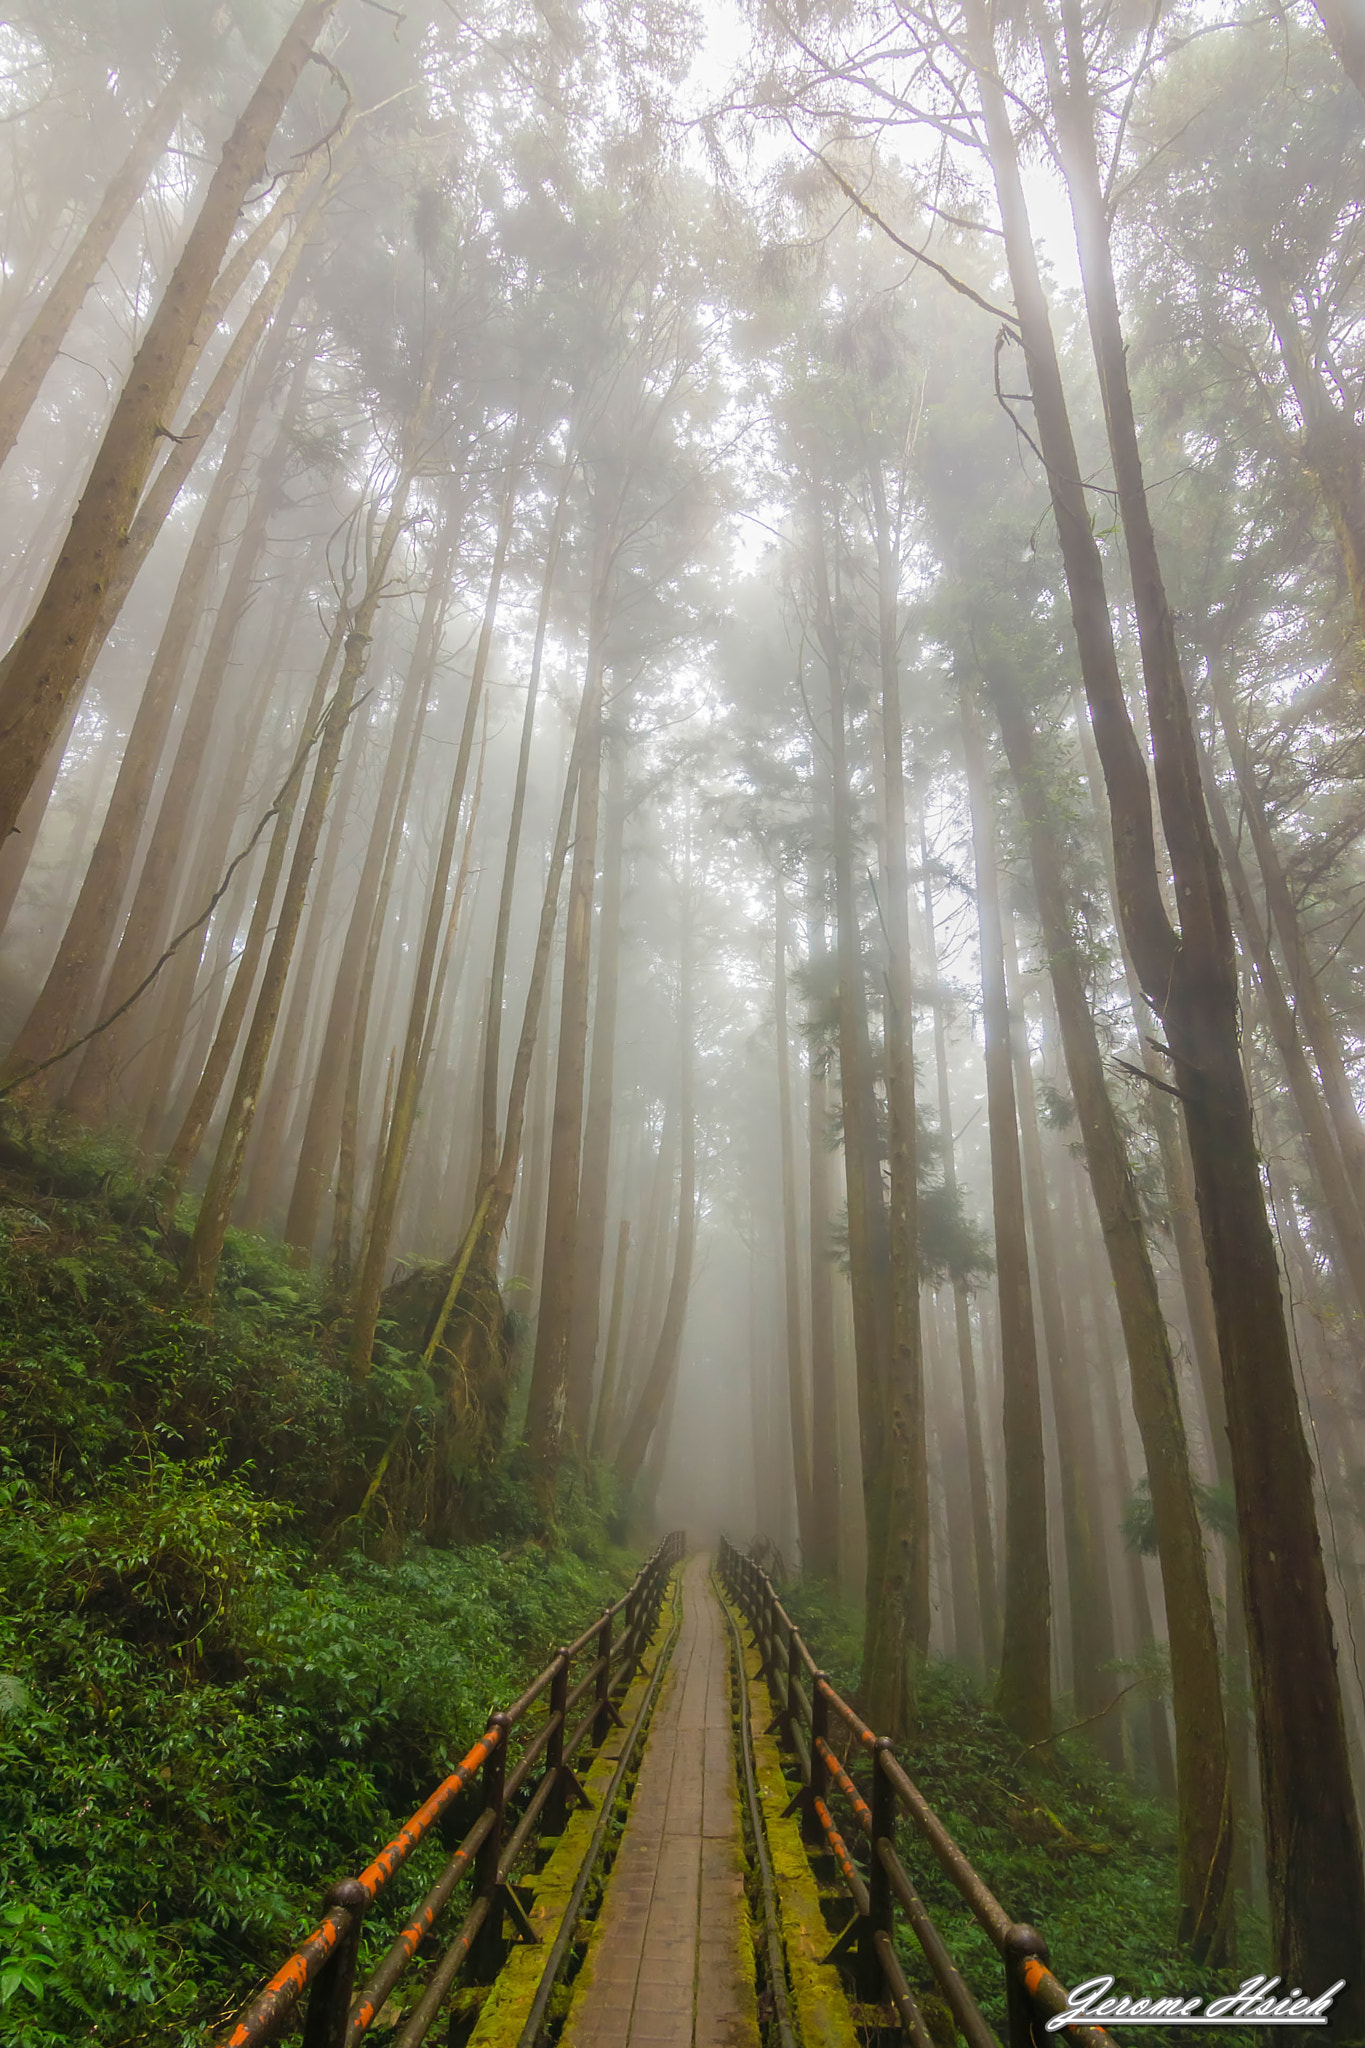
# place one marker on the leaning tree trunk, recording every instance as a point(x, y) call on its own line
point(369, 1285)
point(200, 1268)
point(41, 671)
point(321, 1131)
point(1023, 1692)
point(1201, 1743)
point(68, 996)
point(42, 344)
point(1313, 1849)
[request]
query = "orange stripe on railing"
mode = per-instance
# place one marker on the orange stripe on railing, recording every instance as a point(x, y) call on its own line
point(290, 1981)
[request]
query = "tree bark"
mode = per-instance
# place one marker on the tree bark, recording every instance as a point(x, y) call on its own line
point(321, 1131)
point(1316, 1880)
point(1023, 1693)
point(791, 1268)
point(823, 1561)
point(68, 996)
point(983, 1539)
point(41, 345)
point(370, 1279)
point(1206, 1839)
point(661, 1378)
point(585, 1315)
point(605, 1421)
point(42, 669)
point(906, 1564)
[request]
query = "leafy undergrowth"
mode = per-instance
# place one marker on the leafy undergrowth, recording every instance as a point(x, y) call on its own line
point(1064, 1844)
point(213, 1701)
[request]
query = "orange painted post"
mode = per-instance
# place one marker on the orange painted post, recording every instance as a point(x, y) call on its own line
point(329, 2000)
point(486, 1955)
point(1021, 1946)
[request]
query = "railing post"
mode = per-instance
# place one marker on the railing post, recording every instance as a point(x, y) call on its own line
point(485, 1956)
point(556, 1805)
point(791, 1713)
point(881, 1903)
point(329, 2001)
point(602, 1719)
point(811, 1830)
point(1022, 1945)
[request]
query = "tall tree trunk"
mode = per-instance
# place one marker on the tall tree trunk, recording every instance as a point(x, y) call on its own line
point(547, 1415)
point(605, 1421)
point(661, 1378)
point(906, 1564)
point(41, 345)
point(200, 1269)
point(1089, 1598)
point(384, 1205)
point(189, 1138)
point(1317, 1884)
point(791, 1265)
point(41, 670)
point(1346, 33)
point(868, 1240)
point(1343, 1216)
point(492, 1038)
point(823, 1561)
point(983, 1539)
point(597, 1134)
point(1023, 1691)
point(321, 1131)
point(68, 996)
point(1206, 1837)
point(1315, 1019)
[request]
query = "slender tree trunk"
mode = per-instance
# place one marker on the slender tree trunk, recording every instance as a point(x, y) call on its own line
point(661, 1378)
point(1206, 1837)
point(823, 1561)
point(68, 996)
point(1316, 1020)
point(1089, 1599)
point(41, 671)
point(1320, 1144)
point(791, 1266)
point(1024, 1688)
point(41, 345)
point(604, 1425)
point(492, 1042)
point(906, 1564)
point(384, 1205)
point(1317, 1885)
point(200, 1268)
point(321, 1133)
point(868, 1241)
point(983, 1539)
point(597, 1135)
point(547, 1415)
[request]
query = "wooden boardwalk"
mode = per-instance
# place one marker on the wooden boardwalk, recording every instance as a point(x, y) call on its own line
point(670, 1964)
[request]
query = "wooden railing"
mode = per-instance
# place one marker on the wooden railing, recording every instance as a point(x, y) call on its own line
point(874, 1877)
point(522, 1798)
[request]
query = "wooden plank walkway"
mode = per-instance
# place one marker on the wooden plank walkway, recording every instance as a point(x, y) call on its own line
point(670, 1964)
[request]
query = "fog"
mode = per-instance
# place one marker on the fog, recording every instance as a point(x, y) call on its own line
point(710, 772)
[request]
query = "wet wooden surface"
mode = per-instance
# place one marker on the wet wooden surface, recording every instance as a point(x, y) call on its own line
point(671, 1961)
